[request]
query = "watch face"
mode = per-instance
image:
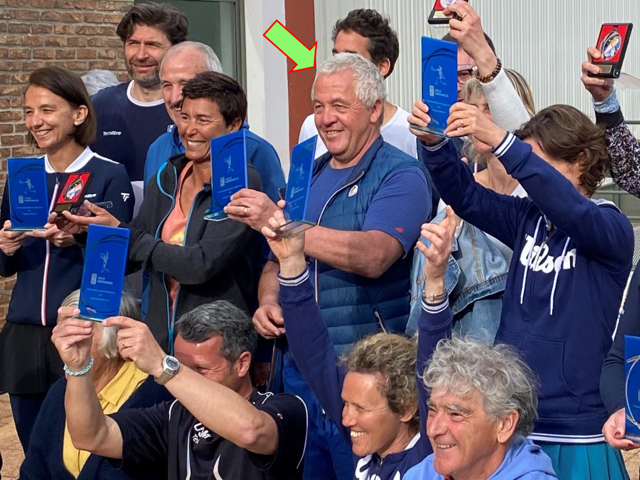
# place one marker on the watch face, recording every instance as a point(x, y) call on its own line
point(172, 363)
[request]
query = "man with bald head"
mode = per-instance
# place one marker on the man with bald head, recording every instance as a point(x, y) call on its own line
point(180, 64)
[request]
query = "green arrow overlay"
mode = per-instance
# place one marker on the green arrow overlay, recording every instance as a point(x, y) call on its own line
point(294, 49)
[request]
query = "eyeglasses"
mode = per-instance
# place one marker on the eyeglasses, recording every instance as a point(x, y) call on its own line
point(465, 74)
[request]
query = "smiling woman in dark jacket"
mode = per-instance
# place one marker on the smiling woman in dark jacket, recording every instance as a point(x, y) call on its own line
point(191, 261)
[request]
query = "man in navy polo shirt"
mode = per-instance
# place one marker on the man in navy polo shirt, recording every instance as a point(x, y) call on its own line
point(219, 426)
point(132, 115)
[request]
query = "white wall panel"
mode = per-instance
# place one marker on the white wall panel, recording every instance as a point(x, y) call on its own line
point(545, 40)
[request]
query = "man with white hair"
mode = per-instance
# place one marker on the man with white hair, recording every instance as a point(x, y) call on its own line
point(369, 200)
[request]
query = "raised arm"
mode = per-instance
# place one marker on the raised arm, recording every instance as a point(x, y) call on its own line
point(505, 104)
point(623, 148)
point(602, 230)
point(436, 318)
point(307, 333)
point(89, 428)
point(495, 214)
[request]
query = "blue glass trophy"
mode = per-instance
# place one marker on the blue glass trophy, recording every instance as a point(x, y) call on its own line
point(439, 82)
point(228, 171)
point(28, 196)
point(105, 260)
point(298, 186)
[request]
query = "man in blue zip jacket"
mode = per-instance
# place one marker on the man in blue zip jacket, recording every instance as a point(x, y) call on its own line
point(368, 199)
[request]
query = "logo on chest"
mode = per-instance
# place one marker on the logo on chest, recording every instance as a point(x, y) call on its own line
point(353, 191)
point(537, 258)
point(201, 433)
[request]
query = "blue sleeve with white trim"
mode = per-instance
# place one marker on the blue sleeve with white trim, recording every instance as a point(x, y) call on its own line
point(311, 346)
point(495, 214)
point(434, 324)
point(604, 231)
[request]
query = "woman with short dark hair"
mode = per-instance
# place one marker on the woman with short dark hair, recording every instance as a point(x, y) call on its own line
point(60, 120)
point(572, 256)
point(191, 261)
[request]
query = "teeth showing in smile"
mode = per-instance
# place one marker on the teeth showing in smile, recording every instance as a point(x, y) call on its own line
point(41, 133)
point(194, 144)
point(332, 132)
point(444, 446)
point(357, 434)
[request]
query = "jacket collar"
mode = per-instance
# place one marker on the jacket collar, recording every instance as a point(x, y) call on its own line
point(362, 166)
point(76, 165)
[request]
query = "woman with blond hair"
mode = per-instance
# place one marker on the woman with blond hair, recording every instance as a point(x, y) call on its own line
point(119, 384)
point(479, 263)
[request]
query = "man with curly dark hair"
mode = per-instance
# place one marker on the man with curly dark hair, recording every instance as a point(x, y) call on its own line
point(132, 115)
point(367, 32)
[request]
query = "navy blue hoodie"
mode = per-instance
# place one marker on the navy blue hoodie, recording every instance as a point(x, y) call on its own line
point(46, 273)
point(570, 264)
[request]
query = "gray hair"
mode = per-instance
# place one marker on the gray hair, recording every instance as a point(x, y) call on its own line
point(211, 60)
point(368, 79)
point(503, 380)
point(108, 345)
point(96, 80)
point(220, 318)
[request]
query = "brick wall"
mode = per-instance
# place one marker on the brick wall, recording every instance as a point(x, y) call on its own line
point(78, 35)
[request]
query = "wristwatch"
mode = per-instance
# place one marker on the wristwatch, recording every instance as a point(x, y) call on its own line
point(170, 366)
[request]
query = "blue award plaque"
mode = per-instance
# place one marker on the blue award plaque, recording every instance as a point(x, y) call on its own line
point(632, 387)
point(439, 82)
point(103, 274)
point(228, 171)
point(28, 196)
point(298, 186)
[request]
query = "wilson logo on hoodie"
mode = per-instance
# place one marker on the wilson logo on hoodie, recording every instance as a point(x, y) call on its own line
point(540, 261)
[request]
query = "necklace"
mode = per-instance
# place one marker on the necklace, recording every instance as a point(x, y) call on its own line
point(509, 188)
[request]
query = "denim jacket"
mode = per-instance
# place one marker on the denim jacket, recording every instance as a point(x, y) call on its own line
point(476, 274)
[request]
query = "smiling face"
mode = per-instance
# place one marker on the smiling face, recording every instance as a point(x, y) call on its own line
point(200, 121)
point(143, 52)
point(177, 69)
point(345, 125)
point(366, 413)
point(51, 119)
point(466, 444)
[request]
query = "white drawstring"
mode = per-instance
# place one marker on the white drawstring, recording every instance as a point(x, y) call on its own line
point(526, 268)
point(555, 278)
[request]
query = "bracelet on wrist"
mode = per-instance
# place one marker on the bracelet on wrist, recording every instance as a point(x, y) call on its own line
point(493, 74)
point(435, 298)
point(79, 373)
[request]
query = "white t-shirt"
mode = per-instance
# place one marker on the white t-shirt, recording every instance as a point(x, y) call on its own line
point(395, 131)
